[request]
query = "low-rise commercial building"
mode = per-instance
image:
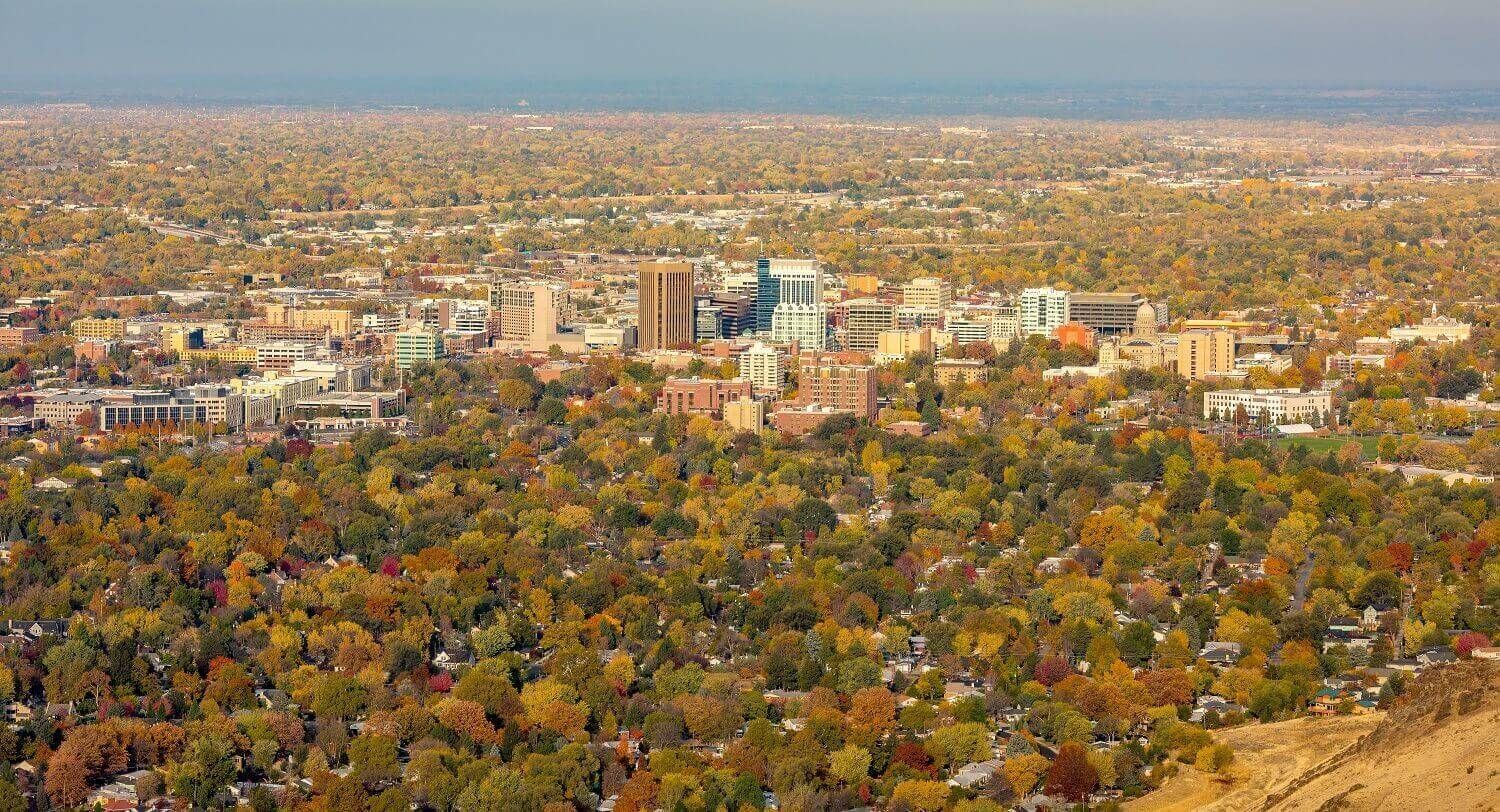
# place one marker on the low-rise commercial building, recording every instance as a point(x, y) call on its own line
point(89, 329)
point(63, 408)
point(353, 404)
point(1346, 363)
point(1270, 406)
point(16, 337)
point(706, 396)
point(207, 404)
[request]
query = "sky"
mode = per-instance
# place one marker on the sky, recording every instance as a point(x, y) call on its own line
point(152, 44)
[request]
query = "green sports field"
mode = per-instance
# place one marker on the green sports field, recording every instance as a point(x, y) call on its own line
point(1330, 443)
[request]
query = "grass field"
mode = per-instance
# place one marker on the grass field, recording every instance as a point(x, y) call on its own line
point(1330, 443)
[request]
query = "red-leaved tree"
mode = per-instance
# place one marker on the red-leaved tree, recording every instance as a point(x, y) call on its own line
point(1071, 775)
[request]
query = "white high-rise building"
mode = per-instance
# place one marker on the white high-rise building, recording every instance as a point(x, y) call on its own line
point(1043, 310)
point(763, 366)
point(798, 281)
point(806, 324)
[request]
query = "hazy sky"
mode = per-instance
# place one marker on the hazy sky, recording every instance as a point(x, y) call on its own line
point(153, 43)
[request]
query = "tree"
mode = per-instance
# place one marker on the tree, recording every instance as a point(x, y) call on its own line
point(1024, 771)
point(205, 770)
point(959, 744)
point(11, 799)
point(1051, 669)
point(872, 713)
point(850, 765)
point(1215, 758)
point(811, 515)
point(1071, 776)
point(67, 781)
point(920, 796)
point(1465, 643)
point(1381, 590)
point(1252, 632)
point(374, 760)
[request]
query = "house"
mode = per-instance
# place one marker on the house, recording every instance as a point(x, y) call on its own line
point(1344, 624)
point(36, 629)
point(1209, 703)
point(453, 656)
point(1220, 652)
point(1326, 701)
point(53, 483)
point(975, 774)
point(273, 698)
point(1441, 655)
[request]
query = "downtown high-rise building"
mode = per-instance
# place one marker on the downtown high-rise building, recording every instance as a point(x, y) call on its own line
point(927, 294)
point(666, 305)
point(529, 310)
point(763, 366)
point(805, 324)
point(864, 321)
point(785, 281)
point(1042, 310)
point(1204, 353)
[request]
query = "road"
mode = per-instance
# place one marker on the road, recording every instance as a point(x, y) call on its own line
point(1304, 575)
point(192, 233)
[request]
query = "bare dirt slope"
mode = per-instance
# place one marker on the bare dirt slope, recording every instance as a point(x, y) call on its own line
point(1438, 749)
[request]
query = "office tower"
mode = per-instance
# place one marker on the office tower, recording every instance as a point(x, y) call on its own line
point(1005, 326)
point(417, 346)
point(767, 294)
point(864, 321)
point(798, 281)
point(842, 387)
point(927, 293)
point(862, 284)
point(806, 324)
point(708, 319)
point(745, 414)
point(741, 284)
point(666, 305)
point(763, 367)
point(1042, 310)
point(736, 314)
point(897, 345)
point(785, 281)
point(530, 311)
point(1201, 353)
point(968, 330)
point(180, 338)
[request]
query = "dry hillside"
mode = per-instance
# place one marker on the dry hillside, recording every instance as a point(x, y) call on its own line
point(1439, 748)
